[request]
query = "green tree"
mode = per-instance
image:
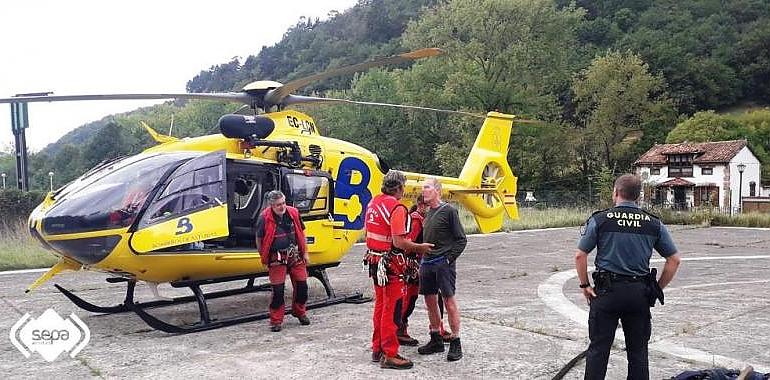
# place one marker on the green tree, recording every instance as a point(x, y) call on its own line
point(68, 165)
point(384, 131)
point(511, 56)
point(705, 126)
point(753, 59)
point(614, 98)
point(514, 56)
point(106, 144)
point(200, 118)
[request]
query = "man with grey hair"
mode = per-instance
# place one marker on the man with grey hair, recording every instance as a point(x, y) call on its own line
point(387, 227)
point(283, 249)
point(443, 229)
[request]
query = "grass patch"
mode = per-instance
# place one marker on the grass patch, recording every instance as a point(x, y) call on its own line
point(18, 250)
point(531, 218)
point(709, 217)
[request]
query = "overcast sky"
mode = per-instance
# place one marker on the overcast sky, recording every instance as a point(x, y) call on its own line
point(138, 46)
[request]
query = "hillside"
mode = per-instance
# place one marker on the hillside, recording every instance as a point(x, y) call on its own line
point(612, 78)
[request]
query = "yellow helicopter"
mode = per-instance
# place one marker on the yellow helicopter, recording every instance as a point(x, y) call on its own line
point(183, 211)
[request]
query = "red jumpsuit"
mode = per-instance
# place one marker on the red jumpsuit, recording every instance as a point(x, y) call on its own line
point(386, 217)
point(412, 289)
point(279, 265)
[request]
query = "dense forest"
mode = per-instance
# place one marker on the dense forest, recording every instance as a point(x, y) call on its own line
point(606, 79)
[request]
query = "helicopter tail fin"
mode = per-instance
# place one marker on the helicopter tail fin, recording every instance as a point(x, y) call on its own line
point(490, 184)
point(157, 136)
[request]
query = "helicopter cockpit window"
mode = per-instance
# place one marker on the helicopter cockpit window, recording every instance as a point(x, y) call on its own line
point(309, 194)
point(111, 200)
point(187, 192)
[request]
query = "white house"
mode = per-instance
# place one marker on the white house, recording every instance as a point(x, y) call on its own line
point(699, 174)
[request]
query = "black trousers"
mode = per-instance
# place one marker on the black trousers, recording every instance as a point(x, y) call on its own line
point(627, 302)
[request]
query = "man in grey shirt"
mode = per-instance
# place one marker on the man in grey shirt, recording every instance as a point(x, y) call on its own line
point(441, 228)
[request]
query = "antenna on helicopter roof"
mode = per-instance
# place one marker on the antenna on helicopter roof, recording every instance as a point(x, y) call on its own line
point(170, 127)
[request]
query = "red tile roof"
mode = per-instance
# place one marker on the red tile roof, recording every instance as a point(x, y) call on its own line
point(707, 152)
point(676, 182)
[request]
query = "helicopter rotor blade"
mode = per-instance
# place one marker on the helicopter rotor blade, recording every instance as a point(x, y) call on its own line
point(299, 99)
point(277, 95)
point(528, 121)
point(229, 96)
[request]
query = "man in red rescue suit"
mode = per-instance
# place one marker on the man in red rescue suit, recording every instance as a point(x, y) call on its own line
point(387, 227)
point(282, 247)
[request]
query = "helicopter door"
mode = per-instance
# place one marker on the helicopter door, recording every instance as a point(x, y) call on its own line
point(311, 192)
point(190, 207)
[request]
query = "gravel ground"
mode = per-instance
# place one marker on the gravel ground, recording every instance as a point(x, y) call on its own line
point(522, 317)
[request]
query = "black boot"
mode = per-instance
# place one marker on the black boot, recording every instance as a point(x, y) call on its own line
point(455, 350)
point(404, 339)
point(435, 345)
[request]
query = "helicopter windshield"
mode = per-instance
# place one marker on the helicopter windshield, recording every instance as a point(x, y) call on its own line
point(112, 197)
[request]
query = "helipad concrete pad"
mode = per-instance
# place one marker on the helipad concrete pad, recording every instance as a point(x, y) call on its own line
point(522, 317)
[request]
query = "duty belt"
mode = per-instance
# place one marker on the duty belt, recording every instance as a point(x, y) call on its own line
point(603, 282)
point(623, 277)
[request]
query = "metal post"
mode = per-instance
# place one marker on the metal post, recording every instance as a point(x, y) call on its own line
point(50, 176)
point(741, 168)
point(20, 122)
point(3, 175)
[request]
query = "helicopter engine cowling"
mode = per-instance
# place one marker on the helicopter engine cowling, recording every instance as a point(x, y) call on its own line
point(245, 126)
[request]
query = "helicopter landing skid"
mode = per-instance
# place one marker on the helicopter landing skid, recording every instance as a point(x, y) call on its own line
point(206, 322)
point(129, 300)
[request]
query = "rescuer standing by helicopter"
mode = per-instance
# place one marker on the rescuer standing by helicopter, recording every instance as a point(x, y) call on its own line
point(283, 249)
point(411, 276)
point(387, 227)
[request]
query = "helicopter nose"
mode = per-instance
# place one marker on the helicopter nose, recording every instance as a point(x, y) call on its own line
point(33, 223)
point(84, 250)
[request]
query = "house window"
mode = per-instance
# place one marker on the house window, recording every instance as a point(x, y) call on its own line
point(706, 196)
point(752, 189)
point(706, 171)
point(655, 171)
point(680, 165)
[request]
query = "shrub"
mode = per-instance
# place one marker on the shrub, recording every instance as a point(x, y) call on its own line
point(16, 204)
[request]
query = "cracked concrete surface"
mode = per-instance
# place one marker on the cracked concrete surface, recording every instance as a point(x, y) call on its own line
point(718, 306)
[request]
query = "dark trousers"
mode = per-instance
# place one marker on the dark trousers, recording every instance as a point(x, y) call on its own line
point(627, 302)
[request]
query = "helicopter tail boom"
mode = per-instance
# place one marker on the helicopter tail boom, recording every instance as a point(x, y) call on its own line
point(490, 185)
